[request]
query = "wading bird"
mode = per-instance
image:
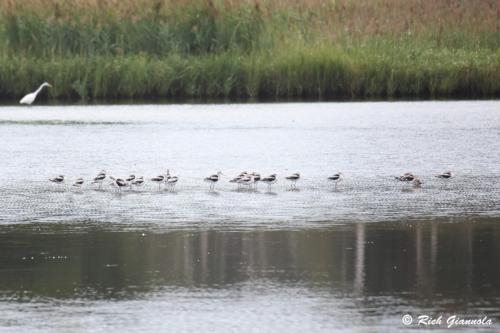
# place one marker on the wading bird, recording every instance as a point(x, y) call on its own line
point(167, 176)
point(293, 178)
point(238, 178)
point(213, 179)
point(130, 180)
point(118, 183)
point(78, 182)
point(159, 180)
point(30, 98)
point(100, 178)
point(270, 180)
point(406, 177)
point(246, 180)
point(137, 181)
point(336, 178)
point(256, 179)
point(58, 179)
point(171, 181)
point(445, 175)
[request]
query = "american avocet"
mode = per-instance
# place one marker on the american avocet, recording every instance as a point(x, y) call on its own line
point(159, 180)
point(166, 176)
point(235, 179)
point(238, 178)
point(118, 183)
point(445, 175)
point(246, 180)
point(241, 175)
point(171, 181)
point(130, 180)
point(58, 179)
point(78, 182)
point(101, 176)
point(256, 179)
point(293, 178)
point(138, 181)
point(406, 177)
point(270, 180)
point(336, 178)
point(213, 179)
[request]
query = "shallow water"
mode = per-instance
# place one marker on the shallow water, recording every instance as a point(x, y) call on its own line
point(308, 259)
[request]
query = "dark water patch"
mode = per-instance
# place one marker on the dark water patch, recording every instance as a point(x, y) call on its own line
point(366, 274)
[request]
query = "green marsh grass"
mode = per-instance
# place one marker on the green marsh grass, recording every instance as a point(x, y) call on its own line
point(109, 49)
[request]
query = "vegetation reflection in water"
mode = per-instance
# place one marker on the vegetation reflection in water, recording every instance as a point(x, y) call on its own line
point(426, 261)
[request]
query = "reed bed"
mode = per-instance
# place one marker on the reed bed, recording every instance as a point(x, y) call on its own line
point(99, 49)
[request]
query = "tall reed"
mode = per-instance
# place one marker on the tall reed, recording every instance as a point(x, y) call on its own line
point(250, 48)
point(322, 72)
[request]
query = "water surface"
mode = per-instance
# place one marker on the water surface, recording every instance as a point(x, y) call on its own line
point(311, 259)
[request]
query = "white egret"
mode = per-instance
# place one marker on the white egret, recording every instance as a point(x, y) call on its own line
point(30, 98)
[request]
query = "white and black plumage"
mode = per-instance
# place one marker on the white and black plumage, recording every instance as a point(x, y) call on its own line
point(130, 180)
point(246, 180)
point(159, 180)
point(79, 182)
point(118, 183)
point(166, 176)
point(101, 176)
point(58, 179)
point(256, 179)
point(235, 179)
point(238, 178)
point(213, 179)
point(336, 178)
point(445, 175)
point(270, 180)
point(138, 181)
point(293, 178)
point(406, 177)
point(171, 181)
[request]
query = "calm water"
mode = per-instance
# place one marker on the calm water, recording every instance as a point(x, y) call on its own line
point(357, 257)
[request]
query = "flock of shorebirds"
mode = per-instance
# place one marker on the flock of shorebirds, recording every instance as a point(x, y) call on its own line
point(243, 180)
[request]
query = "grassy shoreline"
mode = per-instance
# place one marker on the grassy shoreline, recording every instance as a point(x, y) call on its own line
point(250, 49)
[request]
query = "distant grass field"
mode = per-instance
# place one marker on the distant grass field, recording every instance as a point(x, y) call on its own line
point(103, 49)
